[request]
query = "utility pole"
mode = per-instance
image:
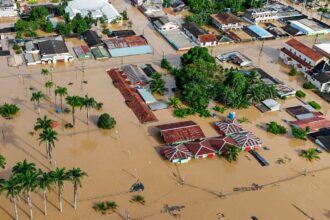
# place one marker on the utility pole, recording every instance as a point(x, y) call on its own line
point(262, 47)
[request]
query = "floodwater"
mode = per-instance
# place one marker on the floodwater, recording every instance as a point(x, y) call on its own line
point(115, 159)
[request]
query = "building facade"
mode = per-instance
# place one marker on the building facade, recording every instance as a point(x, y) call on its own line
point(261, 15)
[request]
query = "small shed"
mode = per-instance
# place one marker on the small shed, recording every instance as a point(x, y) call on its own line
point(177, 154)
point(200, 149)
point(82, 52)
point(272, 105)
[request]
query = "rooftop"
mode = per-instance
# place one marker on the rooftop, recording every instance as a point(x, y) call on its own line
point(98, 8)
point(200, 148)
point(92, 39)
point(207, 38)
point(226, 18)
point(302, 48)
point(181, 132)
point(247, 140)
point(134, 75)
point(314, 123)
point(122, 42)
point(52, 47)
point(176, 152)
point(229, 126)
point(259, 31)
point(193, 28)
point(7, 3)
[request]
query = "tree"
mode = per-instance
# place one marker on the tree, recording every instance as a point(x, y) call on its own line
point(45, 181)
point(309, 85)
point(105, 121)
point(293, 71)
point(74, 101)
point(166, 3)
point(62, 92)
point(174, 102)
point(157, 84)
point(13, 188)
point(165, 64)
point(27, 177)
point(75, 175)
point(125, 15)
point(299, 133)
point(8, 110)
point(49, 84)
point(195, 55)
point(39, 14)
point(310, 154)
point(232, 153)
point(48, 136)
point(36, 97)
point(324, 10)
point(43, 123)
point(48, 27)
point(275, 128)
point(59, 176)
point(63, 28)
point(45, 73)
point(2, 161)
point(88, 103)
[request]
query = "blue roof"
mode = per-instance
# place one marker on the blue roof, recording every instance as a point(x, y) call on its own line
point(262, 33)
point(127, 51)
point(146, 95)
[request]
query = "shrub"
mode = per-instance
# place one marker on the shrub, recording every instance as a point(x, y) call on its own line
point(300, 94)
point(8, 110)
point(105, 121)
point(219, 109)
point(16, 47)
point(184, 112)
point(139, 198)
point(299, 133)
point(275, 128)
point(293, 72)
point(315, 105)
point(204, 113)
point(243, 120)
point(308, 85)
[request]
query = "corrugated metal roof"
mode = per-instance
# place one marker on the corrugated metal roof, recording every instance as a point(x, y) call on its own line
point(260, 31)
point(128, 51)
point(146, 96)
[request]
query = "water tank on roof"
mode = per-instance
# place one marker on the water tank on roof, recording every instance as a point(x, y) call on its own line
point(232, 115)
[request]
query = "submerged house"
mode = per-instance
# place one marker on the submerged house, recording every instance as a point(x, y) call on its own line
point(181, 132)
point(220, 144)
point(200, 149)
point(198, 35)
point(229, 127)
point(247, 141)
point(177, 154)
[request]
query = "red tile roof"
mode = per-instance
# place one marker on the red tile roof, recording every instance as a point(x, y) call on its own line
point(296, 58)
point(133, 100)
point(220, 144)
point(181, 132)
point(228, 126)
point(200, 148)
point(302, 48)
point(206, 38)
point(314, 123)
point(176, 152)
point(247, 140)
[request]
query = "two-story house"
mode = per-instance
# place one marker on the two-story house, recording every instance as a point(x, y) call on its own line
point(226, 21)
point(300, 56)
point(261, 15)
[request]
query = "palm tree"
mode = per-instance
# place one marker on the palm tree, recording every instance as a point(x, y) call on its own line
point(73, 101)
point(45, 181)
point(75, 175)
point(45, 73)
point(49, 84)
point(28, 180)
point(49, 136)
point(175, 102)
point(324, 10)
point(62, 92)
point(13, 189)
point(310, 154)
point(2, 161)
point(36, 97)
point(21, 167)
point(43, 123)
point(232, 153)
point(59, 176)
point(88, 103)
